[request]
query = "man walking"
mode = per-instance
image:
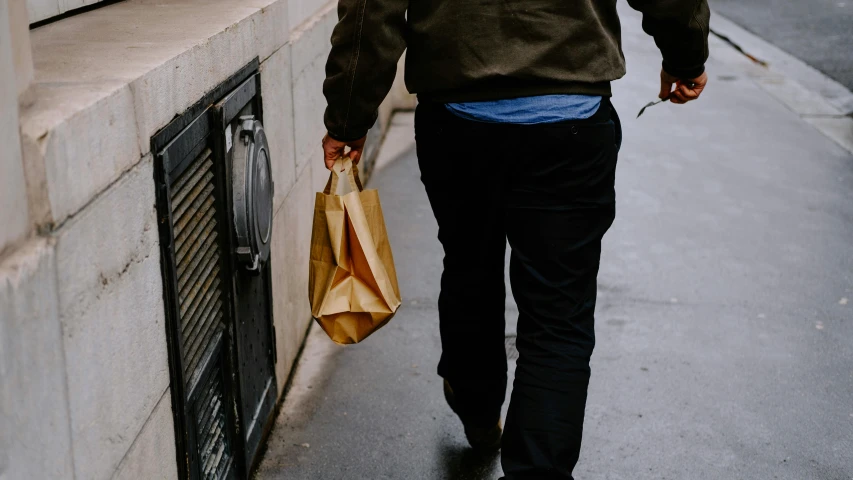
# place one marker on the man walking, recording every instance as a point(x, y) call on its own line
point(517, 140)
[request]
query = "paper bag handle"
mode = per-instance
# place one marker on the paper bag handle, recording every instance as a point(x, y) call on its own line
point(343, 166)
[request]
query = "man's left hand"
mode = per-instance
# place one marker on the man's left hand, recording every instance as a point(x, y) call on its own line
point(686, 90)
point(334, 149)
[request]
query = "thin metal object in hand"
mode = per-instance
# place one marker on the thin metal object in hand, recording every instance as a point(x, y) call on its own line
point(738, 48)
point(652, 104)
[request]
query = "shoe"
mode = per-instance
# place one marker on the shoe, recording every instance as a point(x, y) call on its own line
point(480, 438)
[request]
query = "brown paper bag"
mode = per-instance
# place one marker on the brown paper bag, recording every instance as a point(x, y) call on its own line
point(352, 281)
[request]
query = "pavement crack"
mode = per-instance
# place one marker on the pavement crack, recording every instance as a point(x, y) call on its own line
point(826, 115)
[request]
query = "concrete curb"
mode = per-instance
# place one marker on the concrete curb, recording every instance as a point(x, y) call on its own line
point(819, 100)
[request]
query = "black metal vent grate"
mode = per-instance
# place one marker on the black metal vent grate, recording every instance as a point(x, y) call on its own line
point(214, 453)
point(198, 262)
point(218, 315)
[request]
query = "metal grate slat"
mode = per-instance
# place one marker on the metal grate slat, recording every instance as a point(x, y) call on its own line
point(196, 291)
point(189, 190)
point(212, 461)
point(193, 267)
point(205, 263)
point(200, 334)
point(202, 323)
point(190, 217)
point(201, 342)
point(213, 431)
point(206, 404)
point(208, 416)
point(193, 236)
point(190, 173)
point(197, 260)
point(193, 206)
point(213, 449)
point(205, 311)
point(192, 192)
point(211, 294)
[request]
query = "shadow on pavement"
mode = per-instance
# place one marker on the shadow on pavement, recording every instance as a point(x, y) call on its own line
point(463, 463)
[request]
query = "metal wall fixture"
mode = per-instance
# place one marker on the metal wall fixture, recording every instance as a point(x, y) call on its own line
point(214, 202)
point(253, 192)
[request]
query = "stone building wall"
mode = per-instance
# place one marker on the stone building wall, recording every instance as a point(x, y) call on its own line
point(84, 377)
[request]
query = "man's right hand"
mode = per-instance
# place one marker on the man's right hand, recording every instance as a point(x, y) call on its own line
point(684, 91)
point(335, 149)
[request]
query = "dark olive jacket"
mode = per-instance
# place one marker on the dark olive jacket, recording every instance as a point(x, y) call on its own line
point(467, 50)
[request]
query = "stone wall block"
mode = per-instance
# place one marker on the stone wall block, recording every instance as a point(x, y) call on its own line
point(152, 455)
point(291, 250)
point(310, 48)
point(34, 428)
point(309, 104)
point(310, 39)
point(38, 201)
point(319, 174)
point(82, 153)
point(42, 9)
point(164, 69)
point(272, 28)
point(171, 89)
point(13, 194)
point(277, 94)
point(66, 5)
point(23, 52)
point(112, 314)
point(300, 12)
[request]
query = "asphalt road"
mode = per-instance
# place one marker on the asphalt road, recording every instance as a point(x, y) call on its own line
point(818, 32)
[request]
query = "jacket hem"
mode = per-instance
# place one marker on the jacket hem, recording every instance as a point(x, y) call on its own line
point(684, 73)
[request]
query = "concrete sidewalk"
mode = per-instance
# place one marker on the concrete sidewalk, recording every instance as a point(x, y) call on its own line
point(723, 322)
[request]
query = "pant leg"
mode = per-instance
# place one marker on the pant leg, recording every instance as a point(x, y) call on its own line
point(467, 200)
point(560, 204)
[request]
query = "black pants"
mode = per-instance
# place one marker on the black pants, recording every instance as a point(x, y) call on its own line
point(549, 190)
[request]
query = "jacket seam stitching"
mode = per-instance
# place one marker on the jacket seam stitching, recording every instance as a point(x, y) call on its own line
point(360, 23)
point(701, 28)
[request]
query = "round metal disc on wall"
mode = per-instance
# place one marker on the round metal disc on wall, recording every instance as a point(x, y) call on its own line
point(252, 189)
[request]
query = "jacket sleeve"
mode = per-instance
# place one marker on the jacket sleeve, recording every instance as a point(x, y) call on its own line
point(680, 29)
point(367, 42)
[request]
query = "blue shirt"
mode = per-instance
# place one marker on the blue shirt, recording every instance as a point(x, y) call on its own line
point(529, 110)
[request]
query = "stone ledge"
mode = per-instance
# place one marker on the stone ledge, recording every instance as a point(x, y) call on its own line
point(107, 80)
